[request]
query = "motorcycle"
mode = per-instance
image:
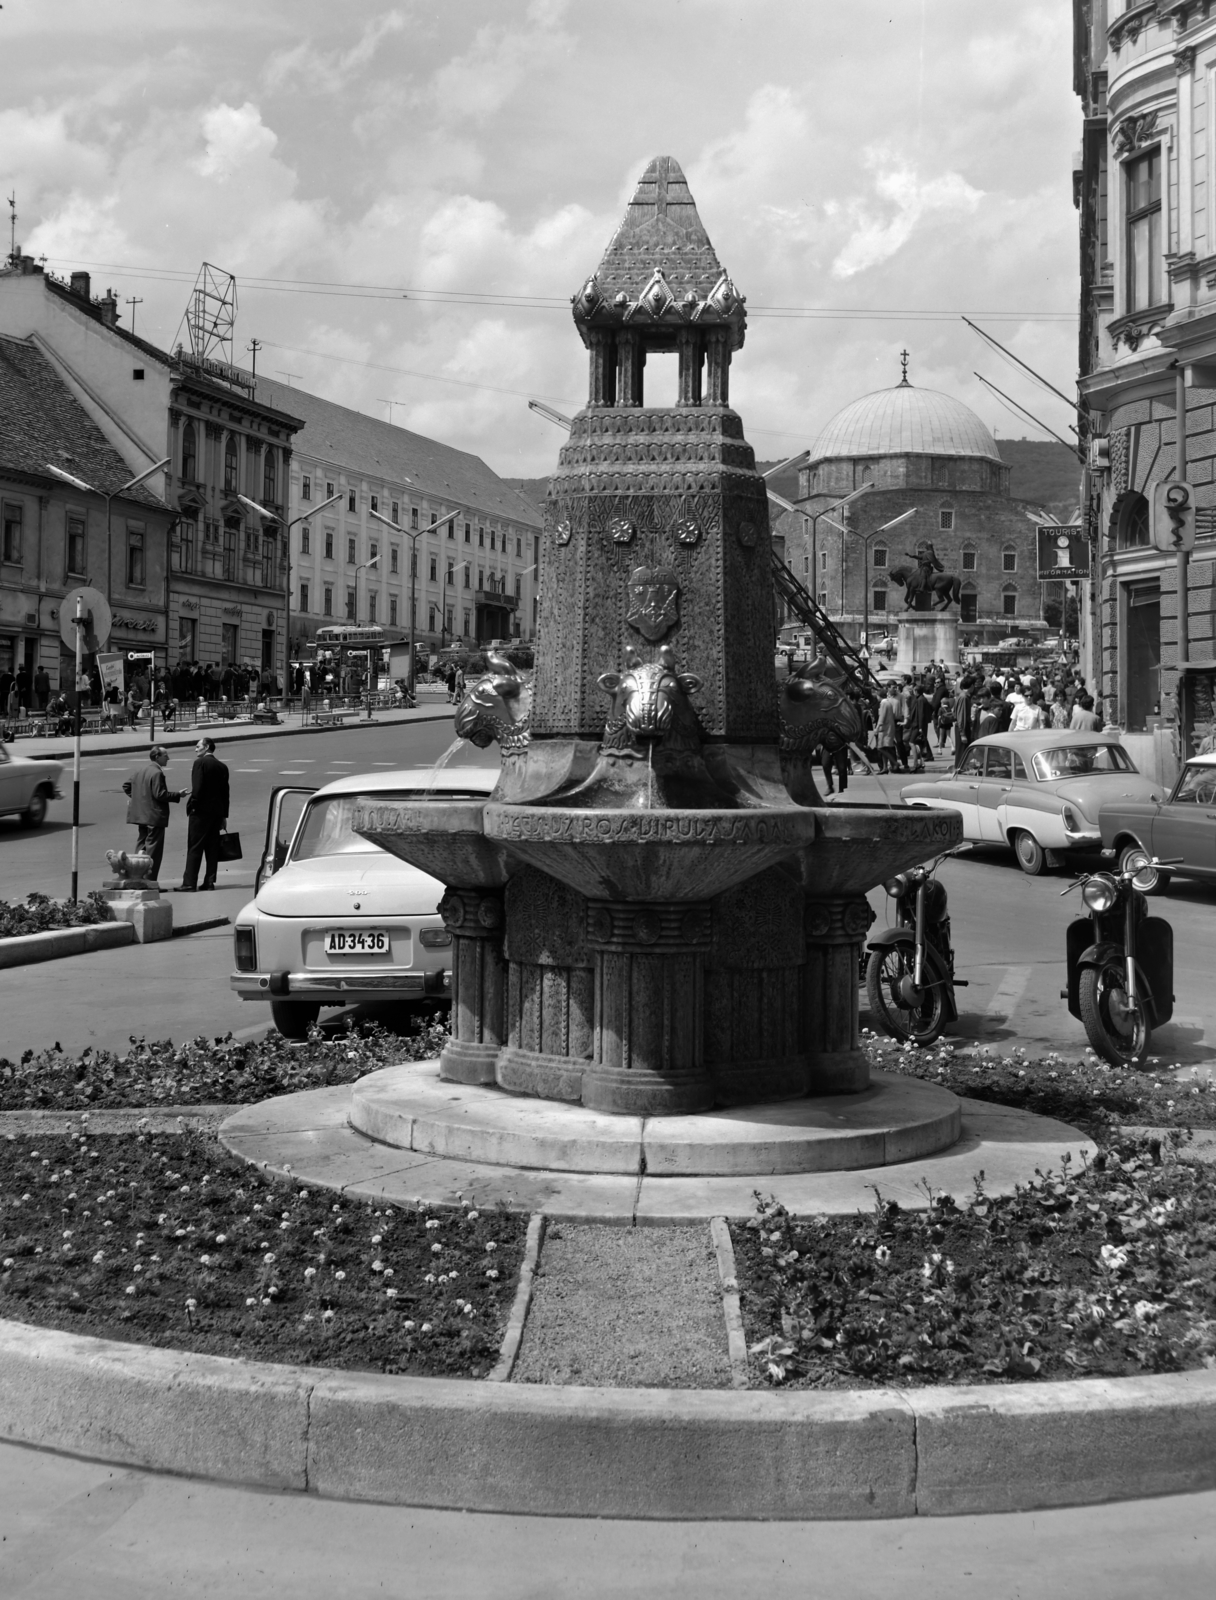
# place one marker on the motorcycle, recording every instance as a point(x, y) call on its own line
point(910, 979)
point(1120, 961)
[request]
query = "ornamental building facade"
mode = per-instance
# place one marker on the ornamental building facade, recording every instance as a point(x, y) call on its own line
point(912, 449)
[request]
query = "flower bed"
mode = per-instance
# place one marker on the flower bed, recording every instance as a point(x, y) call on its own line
point(1087, 1093)
point(1105, 1272)
point(223, 1071)
point(166, 1239)
point(41, 914)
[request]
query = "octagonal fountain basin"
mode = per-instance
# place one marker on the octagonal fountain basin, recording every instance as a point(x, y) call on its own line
point(447, 840)
point(670, 855)
point(858, 847)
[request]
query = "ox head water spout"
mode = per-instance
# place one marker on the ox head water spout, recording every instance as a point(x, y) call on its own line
point(649, 694)
point(496, 708)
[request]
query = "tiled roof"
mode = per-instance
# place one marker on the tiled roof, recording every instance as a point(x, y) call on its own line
point(661, 228)
point(42, 421)
point(363, 444)
point(905, 421)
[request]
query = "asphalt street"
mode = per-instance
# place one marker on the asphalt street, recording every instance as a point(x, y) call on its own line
point(1008, 929)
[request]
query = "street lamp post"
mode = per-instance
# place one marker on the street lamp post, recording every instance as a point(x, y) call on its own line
point(271, 517)
point(413, 535)
point(374, 562)
point(865, 573)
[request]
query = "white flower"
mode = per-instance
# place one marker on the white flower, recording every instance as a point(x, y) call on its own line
point(426, 1327)
point(250, 1301)
point(340, 1276)
point(430, 1278)
point(388, 1272)
point(435, 1249)
point(442, 1278)
point(391, 1294)
point(491, 1245)
point(882, 1255)
point(409, 1326)
point(268, 1258)
point(192, 1304)
point(377, 1238)
point(99, 1258)
point(9, 1263)
point(327, 1316)
point(130, 1289)
point(377, 1266)
point(1113, 1256)
point(473, 1216)
point(432, 1222)
point(309, 1274)
point(205, 1260)
point(221, 1238)
point(491, 1272)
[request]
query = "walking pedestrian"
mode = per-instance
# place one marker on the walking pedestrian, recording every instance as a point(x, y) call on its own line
point(207, 809)
point(148, 806)
point(885, 729)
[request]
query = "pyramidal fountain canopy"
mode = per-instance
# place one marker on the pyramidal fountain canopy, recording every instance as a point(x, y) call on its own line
point(660, 272)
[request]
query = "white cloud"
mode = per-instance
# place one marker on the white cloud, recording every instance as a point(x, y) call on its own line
point(875, 236)
point(234, 136)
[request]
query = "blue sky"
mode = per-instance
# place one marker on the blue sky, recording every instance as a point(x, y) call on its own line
point(906, 157)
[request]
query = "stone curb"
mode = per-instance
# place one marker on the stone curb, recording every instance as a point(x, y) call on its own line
point(56, 942)
point(513, 1337)
point(641, 1453)
point(116, 1119)
point(732, 1311)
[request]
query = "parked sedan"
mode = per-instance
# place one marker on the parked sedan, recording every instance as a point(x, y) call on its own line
point(1039, 792)
point(337, 921)
point(1181, 828)
point(27, 787)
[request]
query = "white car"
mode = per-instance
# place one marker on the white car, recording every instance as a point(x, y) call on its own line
point(336, 921)
point(27, 787)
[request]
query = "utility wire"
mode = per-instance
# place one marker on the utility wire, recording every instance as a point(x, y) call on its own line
point(1030, 414)
point(1037, 376)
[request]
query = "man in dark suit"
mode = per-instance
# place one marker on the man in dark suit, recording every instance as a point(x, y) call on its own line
point(148, 808)
point(207, 809)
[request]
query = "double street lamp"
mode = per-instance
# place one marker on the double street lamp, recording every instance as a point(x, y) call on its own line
point(413, 535)
point(271, 516)
point(113, 494)
point(865, 575)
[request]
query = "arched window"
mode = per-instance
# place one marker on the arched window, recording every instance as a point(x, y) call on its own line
point(968, 605)
point(878, 597)
point(189, 454)
point(1131, 524)
point(270, 476)
point(879, 557)
point(231, 482)
point(969, 558)
point(1009, 558)
point(1009, 600)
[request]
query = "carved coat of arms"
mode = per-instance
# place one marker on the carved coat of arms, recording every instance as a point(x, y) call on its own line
point(654, 601)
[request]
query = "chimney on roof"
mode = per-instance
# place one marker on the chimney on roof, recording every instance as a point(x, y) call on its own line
point(108, 306)
point(81, 285)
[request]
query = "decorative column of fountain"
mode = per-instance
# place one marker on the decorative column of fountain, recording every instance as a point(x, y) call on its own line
point(683, 916)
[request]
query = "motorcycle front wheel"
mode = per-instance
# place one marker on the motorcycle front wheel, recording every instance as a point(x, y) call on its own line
point(1117, 1030)
point(884, 974)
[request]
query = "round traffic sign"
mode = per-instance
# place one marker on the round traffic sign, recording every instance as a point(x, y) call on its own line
point(95, 612)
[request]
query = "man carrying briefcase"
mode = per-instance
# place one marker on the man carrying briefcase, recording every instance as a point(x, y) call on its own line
point(207, 809)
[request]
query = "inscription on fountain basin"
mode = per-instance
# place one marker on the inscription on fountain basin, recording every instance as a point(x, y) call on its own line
point(654, 827)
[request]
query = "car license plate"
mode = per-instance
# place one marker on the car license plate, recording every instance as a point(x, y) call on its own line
point(357, 942)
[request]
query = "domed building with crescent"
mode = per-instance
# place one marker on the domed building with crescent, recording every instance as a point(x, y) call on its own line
point(911, 449)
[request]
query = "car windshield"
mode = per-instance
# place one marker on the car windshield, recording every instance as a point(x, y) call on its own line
point(326, 829)
point(1081, 760)
point(1198, 786)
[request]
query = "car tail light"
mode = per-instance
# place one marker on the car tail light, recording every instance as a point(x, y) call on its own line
point(245, 943)
point(435, 938)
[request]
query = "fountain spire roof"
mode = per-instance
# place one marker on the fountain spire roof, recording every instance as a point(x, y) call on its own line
point(660, 266)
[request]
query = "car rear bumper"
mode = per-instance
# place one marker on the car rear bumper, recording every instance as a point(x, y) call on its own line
point(342, 989)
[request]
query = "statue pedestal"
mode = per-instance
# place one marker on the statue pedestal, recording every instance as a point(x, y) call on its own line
point(926, 636)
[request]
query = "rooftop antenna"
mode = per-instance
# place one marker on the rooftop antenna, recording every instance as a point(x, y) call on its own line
point(289, 376)
point(133, 302)
point(255, 345)
point(12, 228)
point(390, 404)
point(210, 317)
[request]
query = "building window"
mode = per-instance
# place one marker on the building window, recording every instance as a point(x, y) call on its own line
point(350, 605)
point(371, 606)
point(394, 558)
point(466, 575)
point(880, 555)
point(182, 548)
point(375, 502)
point(77, 542)
point(519, 547)
point(806, 564)
point(231, 484)
point(305, 540)
point(1132, 528)
point(135, 556)
point(413, 516)
point(350, 552)
point(433, 569)
point(451, 530)
point(392, 610)
point(468, 533)
point(449, 573)
point(466, 621)
point(878, 599)
point(329, 544)
point(413, 563)
point(945, 521)
point(481, 578)
point(823, 561)
point(519, 588)
point(327, 602)
point(329, 491)
point(373, 552)
point(1144, 285)
point(230, 532)
point(270, 476)
point(1009, 560)
point(823, 601)
point(434, 518)
point(189, 454)
point(1009, 603)
point(492, 540)
point(306, 488)
point(352, 501)
point(968, 605)
point(396, 511)
point(303, 597)
point(481, 537)
point(968, 560)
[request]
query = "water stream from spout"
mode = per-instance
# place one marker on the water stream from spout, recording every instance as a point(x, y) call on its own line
point(442, 762)
point(876, 775)
point(649, 776)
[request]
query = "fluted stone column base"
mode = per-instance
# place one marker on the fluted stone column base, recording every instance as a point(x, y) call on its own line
point(835, 934)
point(475, 919)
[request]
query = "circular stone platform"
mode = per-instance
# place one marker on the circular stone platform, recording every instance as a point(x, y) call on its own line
point(895, 1119)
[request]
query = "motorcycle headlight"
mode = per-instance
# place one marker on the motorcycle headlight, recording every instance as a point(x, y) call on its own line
point(897, 885)
point(1100, 893)
point(1144, 874)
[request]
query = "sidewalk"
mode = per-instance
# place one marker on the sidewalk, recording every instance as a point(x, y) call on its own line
point(431, 708)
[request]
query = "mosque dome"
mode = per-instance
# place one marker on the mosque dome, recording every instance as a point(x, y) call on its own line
point(905, 421)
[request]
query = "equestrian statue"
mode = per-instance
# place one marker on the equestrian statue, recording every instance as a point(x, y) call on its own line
point(929, 578)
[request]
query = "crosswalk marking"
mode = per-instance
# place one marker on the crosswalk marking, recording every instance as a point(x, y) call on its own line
point(1009, 991)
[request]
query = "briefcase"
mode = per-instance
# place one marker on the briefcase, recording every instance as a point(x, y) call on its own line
point(230, 847)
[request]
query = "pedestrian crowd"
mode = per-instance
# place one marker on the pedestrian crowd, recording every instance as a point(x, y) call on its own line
point(927, 706)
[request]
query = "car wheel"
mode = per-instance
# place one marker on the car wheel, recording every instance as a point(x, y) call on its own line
point(34, 814)
point(293, 1018)
point(1163, 878)
point(1030, 853)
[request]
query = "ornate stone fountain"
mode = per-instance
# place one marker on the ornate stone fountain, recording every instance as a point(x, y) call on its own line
point(655, 914)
